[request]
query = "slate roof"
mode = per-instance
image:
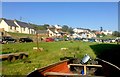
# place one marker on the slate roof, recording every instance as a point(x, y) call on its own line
point(52, 30)
point(51, 27)
point(23, 24)
point(83, 28)
point(42, 31)
point(10, 22)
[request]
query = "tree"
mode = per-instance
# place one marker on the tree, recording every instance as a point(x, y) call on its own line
point(45, 26)
point(39, 27)
point(101, 29)
point(116, 33)
point(65, 28)
point(70, 30)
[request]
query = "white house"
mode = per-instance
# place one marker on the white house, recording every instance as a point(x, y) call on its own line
point(79, 30)
point(57, 27)
point(24, 27)
point(54, 31)
point(84, 33)
point(106, 32)
point(91, 35)
point(75, 35)
point(16, 26)
point(50, 33)
point(8, 25)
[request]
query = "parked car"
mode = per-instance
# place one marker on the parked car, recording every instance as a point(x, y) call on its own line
point(117, 40)
point(77, 39)
point(25, 40)
point(91, 40)
point(67, 39)
point(49, 40)
point(112, 40)
point(58, 39)
point(85, 39)
point(8, 39)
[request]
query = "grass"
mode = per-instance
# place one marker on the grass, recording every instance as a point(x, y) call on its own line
point(19, 34)
point(108, 37)
point(50, 54)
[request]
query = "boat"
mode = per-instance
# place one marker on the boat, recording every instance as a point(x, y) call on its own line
point(67, 68)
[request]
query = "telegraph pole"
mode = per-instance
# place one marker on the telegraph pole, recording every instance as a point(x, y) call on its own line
point(37, 42)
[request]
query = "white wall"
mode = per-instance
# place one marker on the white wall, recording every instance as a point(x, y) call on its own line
point(27, 30)
point(79, 30)
point(19, 29)
point(4, 25)
point(7, 28)
point(50, 33)
point(32, 31)
point(106, 32)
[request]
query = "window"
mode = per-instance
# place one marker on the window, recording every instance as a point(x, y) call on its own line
point(15, 28)
point(10, 27)
point(24, 29)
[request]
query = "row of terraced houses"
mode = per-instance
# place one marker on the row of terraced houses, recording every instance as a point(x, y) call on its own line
point(16, 26)
point(8, 25)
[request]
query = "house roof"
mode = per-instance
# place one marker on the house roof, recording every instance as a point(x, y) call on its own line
point(42, 31)
point(83, 29)
point(23, 24)
point(51, 27)
point(10, 22)
point(52, 30)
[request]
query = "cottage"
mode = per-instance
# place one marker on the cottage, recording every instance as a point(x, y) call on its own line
point(24, 27)
point(79, 30)
point(54, 31)
point(16, 26)
point(107, 32)
point(8, 25)
point(84, 33)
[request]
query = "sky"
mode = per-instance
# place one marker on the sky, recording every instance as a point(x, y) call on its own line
point(89, 15)
point(60, 0)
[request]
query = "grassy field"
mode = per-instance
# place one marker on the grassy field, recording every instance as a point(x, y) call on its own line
point(50, 54)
